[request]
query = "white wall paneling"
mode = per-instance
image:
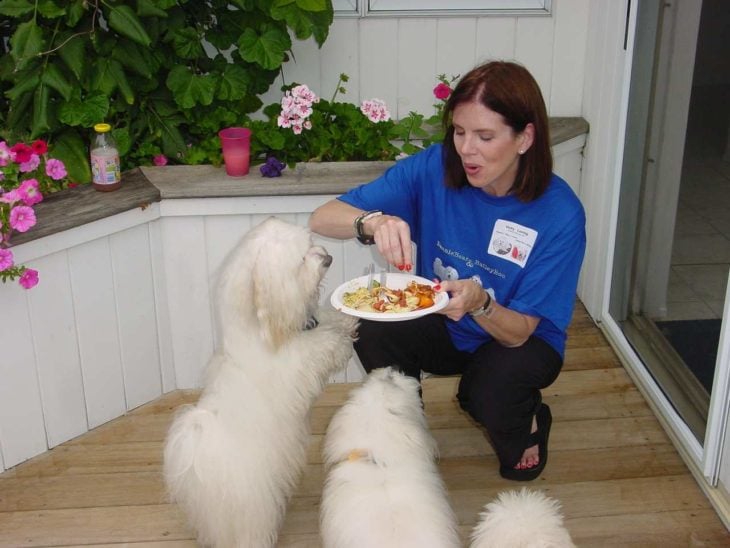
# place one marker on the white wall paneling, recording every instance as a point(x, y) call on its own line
point(56, 350)
point(22, 425)
point(137, 318)
point(97, 330)
point(397, 59)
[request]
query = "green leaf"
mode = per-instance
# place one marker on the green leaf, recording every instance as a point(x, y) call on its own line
point(26, 83)
point(129, 55)
point(74, 12)
point(312, 5)
point(107, 76)
point(15, 8)
point(71, 149)
point(173, 144)
point(85, 113)
point(266, 49)
point(147, 8)
point(19, 111)
point(123, 140)
point(187, 43)
point(26, 43)
point(234, 83)
point(73, 54)
point(190, 89)
point(123, 20)
point(53, 76)
point(120, 78)
point(49, 9)
point(40, 123)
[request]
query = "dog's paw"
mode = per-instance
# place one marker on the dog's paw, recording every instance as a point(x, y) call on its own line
point(337, 321)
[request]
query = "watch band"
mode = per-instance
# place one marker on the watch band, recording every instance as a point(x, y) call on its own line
point(486, 309)
point(359, 225)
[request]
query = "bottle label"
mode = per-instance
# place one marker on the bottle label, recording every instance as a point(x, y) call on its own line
point(105, 168)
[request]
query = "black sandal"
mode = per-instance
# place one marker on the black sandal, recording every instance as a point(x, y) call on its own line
point(540, 438)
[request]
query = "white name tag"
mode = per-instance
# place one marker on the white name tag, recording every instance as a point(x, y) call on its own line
point(512, 242)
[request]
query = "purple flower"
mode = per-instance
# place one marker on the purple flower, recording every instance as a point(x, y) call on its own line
point(272, 167)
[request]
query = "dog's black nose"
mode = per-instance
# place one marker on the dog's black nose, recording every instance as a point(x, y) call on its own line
point(327, 261)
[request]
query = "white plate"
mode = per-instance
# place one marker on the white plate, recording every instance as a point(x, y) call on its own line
point(394, 280)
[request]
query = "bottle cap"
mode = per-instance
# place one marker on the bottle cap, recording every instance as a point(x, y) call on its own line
point(102, 128)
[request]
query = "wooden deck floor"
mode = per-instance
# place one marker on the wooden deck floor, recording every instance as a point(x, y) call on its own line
point(620, 481)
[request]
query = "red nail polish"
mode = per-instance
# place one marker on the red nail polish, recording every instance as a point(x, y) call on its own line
point(437, 287)
point(401, 267)
point(408, 267)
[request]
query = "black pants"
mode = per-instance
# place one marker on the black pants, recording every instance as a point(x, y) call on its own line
point(499, 387)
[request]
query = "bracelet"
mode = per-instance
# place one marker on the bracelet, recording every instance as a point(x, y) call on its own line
point(485, 310)
point(359, 226)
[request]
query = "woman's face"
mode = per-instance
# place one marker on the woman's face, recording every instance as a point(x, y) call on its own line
point(489, 148)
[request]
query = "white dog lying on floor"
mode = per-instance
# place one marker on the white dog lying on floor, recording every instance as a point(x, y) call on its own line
point(232, 461)
point(521, 519)
point(383, 489)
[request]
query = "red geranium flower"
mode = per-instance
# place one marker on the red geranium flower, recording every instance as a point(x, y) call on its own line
point(442, 91)
point(39, 147)
point(22, 152)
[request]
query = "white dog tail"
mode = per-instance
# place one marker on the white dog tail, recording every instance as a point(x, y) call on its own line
point(521, 519)
point(193, 475)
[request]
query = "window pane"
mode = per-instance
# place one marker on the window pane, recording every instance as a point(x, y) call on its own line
point(439, 7)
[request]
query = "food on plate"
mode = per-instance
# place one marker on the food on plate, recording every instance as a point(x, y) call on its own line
point(414, 296)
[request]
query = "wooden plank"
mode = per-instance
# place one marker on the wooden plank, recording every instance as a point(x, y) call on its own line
point(693, 527)
point(80, 491)
point(93, 525)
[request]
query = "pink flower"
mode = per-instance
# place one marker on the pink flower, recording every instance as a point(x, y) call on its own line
point(442, 91)
point(160, 160)
point(5, 154)
point(11, 197)
point(29, 193)
point(22, 218)
point(6, 259)
point(375, 110)
point(55, 169)
point(29, 278)
point(31, 164)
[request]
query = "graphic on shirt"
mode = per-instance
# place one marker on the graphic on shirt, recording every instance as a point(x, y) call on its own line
point(512, 242)
point(444, 272)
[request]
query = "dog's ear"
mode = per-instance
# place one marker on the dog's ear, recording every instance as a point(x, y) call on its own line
point(277, 297)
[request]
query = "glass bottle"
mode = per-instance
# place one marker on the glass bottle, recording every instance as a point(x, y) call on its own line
point(106, 174)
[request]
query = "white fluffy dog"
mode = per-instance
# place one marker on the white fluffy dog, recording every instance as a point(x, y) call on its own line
point(521, 519)
point(232, 461)
point(383, 488)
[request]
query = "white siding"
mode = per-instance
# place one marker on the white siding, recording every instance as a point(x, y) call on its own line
point(398, 59)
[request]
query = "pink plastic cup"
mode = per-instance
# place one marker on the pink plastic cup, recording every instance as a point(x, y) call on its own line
point(236, 145)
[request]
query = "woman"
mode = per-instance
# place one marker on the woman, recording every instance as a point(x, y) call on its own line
point(502, 235)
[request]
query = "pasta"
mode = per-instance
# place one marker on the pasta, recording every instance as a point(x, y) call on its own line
point(383, 299)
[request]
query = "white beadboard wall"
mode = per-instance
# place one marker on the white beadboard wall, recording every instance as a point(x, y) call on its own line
point(124, 310)
point(398, 59)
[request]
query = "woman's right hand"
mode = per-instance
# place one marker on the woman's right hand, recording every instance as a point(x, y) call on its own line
point(393, 239)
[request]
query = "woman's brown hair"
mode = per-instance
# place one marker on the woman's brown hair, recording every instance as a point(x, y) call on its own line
point(510, 90)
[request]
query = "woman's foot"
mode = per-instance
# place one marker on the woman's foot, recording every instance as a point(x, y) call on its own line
point(531, 456)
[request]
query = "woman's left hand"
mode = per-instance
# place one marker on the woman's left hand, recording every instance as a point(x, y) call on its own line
point(464, 295)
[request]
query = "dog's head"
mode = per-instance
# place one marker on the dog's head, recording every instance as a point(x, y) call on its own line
point(271, 281)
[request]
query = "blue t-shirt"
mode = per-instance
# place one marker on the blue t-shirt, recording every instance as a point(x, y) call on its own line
point(528, 253)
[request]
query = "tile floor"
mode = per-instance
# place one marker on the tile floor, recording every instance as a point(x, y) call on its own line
point(698, 279)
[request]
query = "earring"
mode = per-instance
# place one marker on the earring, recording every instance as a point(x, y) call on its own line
point(520, 152)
